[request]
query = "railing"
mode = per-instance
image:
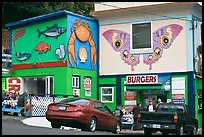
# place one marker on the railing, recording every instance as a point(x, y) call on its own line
point(6, 60)
point(39, 102)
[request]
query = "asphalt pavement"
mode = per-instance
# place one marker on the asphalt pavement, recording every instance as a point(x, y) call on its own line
point(43, 122)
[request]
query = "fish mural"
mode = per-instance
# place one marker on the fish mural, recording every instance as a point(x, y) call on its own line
point(17, 35)
point(60, 52)
point(42, 47)
point(162, 39)
point(22, 56)
point(53, 31)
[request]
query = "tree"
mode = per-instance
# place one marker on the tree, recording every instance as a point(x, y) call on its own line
point(16, 11)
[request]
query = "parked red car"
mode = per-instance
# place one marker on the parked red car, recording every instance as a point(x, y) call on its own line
point(84, 113)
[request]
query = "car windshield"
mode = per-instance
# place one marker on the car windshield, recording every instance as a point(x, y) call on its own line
point(170, 108)
point(83, 102)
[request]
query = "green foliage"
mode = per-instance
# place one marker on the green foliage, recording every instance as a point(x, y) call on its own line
point(16, 11)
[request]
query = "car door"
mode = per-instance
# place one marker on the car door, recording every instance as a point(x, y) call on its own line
point(190, 120)
point(102, 118)
point(109, 117)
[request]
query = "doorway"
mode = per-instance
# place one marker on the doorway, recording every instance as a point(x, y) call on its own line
point(39, 85)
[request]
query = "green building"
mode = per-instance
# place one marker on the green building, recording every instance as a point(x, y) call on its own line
point(55, 53)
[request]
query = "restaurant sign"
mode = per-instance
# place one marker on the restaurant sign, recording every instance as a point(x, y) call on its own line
point(142, 79)
point(14, 85)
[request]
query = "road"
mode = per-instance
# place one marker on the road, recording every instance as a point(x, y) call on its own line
point(11, 126)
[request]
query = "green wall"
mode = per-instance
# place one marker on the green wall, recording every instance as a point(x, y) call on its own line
point(28, 42)
point(83, 73)
point(198, 111)
point(62, 78)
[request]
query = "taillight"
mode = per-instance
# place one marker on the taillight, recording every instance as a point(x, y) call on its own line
point(139, 117)
point(78, 108)
point(175, 119)
point(49, 107)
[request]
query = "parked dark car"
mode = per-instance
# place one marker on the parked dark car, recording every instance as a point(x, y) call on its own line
point(168, 118)
point(84, 113)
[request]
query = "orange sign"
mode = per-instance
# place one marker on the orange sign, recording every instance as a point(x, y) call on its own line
point(14, 85)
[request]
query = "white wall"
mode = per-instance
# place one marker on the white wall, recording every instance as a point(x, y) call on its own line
point(174, 59)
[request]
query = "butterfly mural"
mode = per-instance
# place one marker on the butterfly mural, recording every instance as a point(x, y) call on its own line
point(162, 39)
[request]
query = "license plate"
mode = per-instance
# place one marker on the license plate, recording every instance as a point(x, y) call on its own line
point(156, 126)
point(62, 108)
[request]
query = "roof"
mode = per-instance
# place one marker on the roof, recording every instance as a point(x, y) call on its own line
point(142, 7)
point(46, 16)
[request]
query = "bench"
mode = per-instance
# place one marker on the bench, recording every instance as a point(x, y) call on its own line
point(14, 109)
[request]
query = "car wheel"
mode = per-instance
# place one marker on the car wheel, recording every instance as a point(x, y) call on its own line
point(180, 131)
point(117, 128)
point(147, 131)
point(55, 125)
point(92, 125)
point(194, 132)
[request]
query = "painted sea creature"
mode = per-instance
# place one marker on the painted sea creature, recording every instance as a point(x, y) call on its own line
point(17, 35)
point(22, 56)
point(53, 31)
point(83, 54)
point(42, 47)
point(81, 31)
point(60, 52)
point(162, 39)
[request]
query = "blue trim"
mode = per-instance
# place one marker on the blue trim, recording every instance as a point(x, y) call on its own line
point(190, 48)
point(191, 92)
point(159, 74)
point(10, 41)
point(46, 16)
point(142, 20)
point(118, 91)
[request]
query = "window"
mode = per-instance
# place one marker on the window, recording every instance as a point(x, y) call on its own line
point(98, 106)
point(141, 38)
point(107, 94)
point(75, 81)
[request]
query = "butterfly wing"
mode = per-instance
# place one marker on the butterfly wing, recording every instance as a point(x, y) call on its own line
point(120, 42)
point(162, 39)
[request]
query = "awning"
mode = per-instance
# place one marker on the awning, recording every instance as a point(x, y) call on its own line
point(163, 79)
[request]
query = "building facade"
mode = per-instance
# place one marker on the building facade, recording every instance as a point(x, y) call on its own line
point(148, 52)
point(55, 53)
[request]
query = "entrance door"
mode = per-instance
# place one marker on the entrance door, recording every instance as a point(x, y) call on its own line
point(39, 85)
point(147, 98)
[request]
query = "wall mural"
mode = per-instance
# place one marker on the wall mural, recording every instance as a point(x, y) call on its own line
point(53, 31)
point(17, 35)
point(20, 56)
point(162, 39)
point(82, 55)
point(42, 47)
point(80, 30)
point(60, 52)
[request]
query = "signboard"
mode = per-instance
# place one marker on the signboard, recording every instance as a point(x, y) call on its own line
point(87, 86)
point(129, 100)
point(178, 100)
point(14, 85)
point(142, 79)
point(76, 91)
